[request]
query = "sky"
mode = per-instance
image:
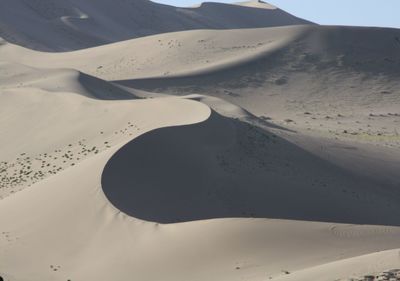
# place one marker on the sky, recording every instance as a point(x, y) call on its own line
point(383, 13)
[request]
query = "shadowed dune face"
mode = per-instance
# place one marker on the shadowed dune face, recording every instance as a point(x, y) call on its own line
point(225, 168)
point(59, 25)
point(103, 90)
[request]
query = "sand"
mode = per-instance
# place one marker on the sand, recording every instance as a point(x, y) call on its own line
point(268, 153)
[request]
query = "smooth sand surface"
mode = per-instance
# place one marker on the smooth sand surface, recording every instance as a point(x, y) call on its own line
point(237, 154)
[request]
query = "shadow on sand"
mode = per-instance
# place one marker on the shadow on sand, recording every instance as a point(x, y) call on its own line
point(226, 168)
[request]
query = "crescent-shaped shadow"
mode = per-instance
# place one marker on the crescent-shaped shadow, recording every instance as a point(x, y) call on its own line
point(226, 168)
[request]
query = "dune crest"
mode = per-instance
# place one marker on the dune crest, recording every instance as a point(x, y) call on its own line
point(257, 4)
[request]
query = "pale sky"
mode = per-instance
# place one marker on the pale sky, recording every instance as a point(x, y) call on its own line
point(385, 13)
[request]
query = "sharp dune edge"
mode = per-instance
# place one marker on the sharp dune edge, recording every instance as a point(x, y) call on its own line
point(269, 152)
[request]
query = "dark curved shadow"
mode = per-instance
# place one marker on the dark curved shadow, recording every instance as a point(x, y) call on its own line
point(226, 168)
point(104, 90)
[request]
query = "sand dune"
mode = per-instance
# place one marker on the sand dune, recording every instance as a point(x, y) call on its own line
point(265, 152)
point(117, 245)
point(58, 25)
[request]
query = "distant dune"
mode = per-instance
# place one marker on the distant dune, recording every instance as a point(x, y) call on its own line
point(63, 25)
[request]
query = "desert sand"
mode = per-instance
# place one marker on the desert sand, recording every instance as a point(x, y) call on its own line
point(218, 142)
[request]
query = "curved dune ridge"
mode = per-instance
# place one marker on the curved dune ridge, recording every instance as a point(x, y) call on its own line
point(181, 251)
point(63, 25)
point(226, 168)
